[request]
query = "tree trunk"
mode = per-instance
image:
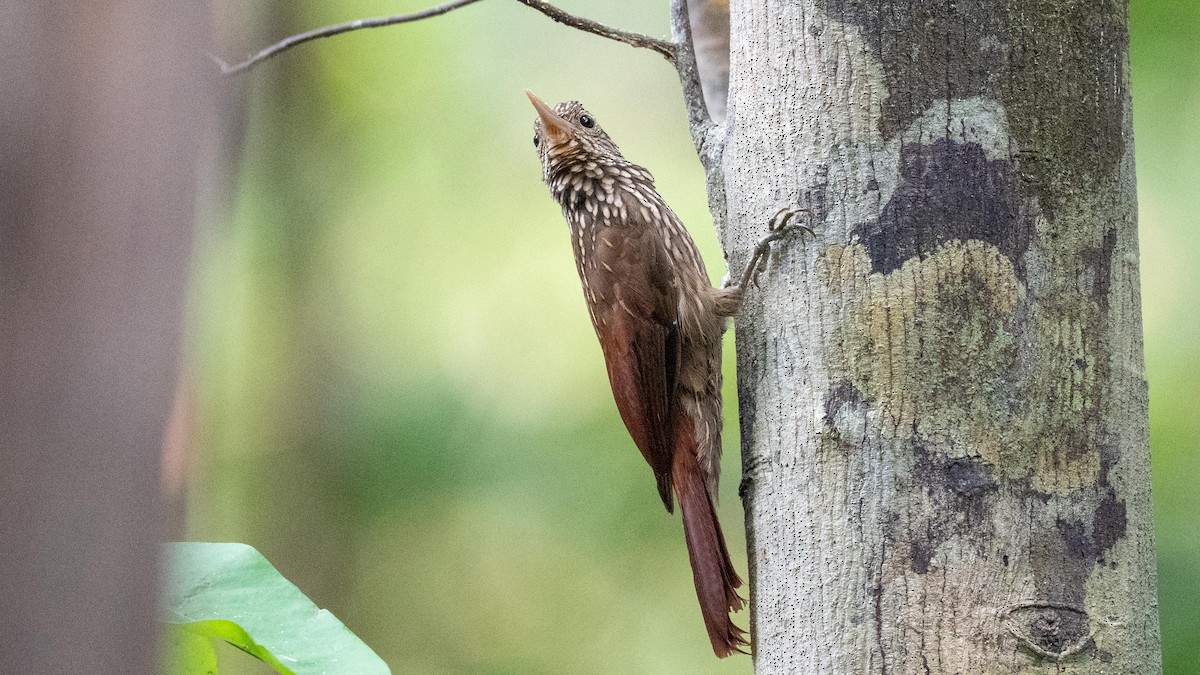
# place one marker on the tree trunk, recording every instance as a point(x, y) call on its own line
point(101, 111)
point(943, 407)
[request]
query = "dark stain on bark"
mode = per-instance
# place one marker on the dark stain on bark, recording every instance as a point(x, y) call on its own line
point(1074, 534)
point(1058, 68)
point(843, 394)
point(957, 490)
point(959, 484)
point(921, 554)
point(1108, 523)
point(967, 477)
point(1099, 261)
point(948, 191)
point(1107, 527)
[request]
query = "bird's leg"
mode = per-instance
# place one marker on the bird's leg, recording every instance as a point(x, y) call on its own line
point(778, 226)
point(729, 298)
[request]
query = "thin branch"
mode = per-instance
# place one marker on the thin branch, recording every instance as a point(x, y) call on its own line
point(666, 49)
point(337, 29)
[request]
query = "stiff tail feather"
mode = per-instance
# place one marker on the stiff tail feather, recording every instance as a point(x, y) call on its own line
point(716, 581)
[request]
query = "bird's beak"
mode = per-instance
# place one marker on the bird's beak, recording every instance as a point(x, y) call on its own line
point(556, 127)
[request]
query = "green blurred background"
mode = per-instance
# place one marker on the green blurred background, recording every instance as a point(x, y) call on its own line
point(397, 394)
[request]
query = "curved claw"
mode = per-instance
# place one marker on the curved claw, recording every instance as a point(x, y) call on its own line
point(780, 221)
point(773, 220)
point(778, 226)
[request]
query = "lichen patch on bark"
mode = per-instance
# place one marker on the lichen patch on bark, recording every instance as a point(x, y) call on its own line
point(926, 338)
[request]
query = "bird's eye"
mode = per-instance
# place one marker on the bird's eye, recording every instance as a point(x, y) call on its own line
point(587, 121)
point(535, 140)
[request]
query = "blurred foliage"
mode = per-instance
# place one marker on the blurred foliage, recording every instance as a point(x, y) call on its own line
point(401, 401)
point(1165, 56)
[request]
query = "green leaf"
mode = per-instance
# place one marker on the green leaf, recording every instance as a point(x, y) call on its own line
point(189, 653)
point(230, 592)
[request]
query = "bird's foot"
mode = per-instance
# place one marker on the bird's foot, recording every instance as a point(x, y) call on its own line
point(785, 220)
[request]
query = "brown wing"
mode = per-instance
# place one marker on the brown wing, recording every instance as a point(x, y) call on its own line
point(636, 322)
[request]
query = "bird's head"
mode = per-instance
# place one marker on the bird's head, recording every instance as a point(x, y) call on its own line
point(567, 134)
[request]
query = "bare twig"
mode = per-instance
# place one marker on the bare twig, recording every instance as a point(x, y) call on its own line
point(666, 49)
point(337, 29)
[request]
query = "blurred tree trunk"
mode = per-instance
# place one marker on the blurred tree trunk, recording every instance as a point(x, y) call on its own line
point(279, 469)
point(102, 108)
point(943, 407)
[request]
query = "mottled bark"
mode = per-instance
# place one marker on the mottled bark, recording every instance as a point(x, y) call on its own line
point(943, 407)
point(102, 110)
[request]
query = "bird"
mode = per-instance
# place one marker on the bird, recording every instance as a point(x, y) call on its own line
point(660, 325)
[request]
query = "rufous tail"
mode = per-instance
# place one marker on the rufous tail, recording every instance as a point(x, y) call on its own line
point(712, 570)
